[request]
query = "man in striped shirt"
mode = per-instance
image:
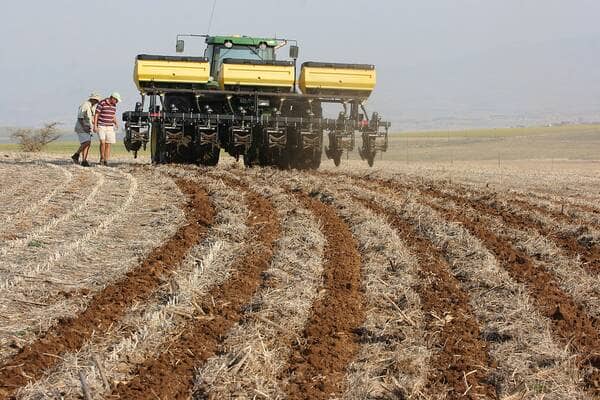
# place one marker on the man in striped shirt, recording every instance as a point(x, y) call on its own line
point(105, 125)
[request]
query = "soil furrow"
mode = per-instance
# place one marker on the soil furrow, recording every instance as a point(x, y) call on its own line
point(588, 251)
point(570, 323)
point(109, 305)
point(154, 215)
point(255, 351)
point(568, 271)
point(393, 360)
point(564, 203)
point(527, 358)
point(170, 375)
point(461, 361)
point(317, 367)
point(143, 331)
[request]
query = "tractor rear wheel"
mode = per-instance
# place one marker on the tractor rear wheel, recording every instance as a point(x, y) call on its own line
point(371, 159)
point(157, 151)
point(209, 156)
point(316, 160)
point(337, 159)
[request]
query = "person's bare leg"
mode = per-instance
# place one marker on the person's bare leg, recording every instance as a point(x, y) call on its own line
point(107, 151)
point(75, 156)
point(102, 147)
point(84, 150)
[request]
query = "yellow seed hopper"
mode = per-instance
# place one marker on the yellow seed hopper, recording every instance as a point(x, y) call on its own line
point(257, 74)
point(170, 71)
point(335, 78)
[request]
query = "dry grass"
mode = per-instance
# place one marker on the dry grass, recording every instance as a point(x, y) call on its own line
point(569, 206)
point(17, 182)
point(567, 179)
point(256, 350)
point(17, 211)
point(67, 206)
point(147, 328)
point(39, 258)
point(394, 358)
point(85, 247)
point(506, 201)
point(571, 276)
point(529, 363)
point(135, 223)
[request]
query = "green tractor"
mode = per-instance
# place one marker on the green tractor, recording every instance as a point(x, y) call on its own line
point(240, 98)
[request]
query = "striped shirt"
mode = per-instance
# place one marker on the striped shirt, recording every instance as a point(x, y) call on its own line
point(106, 113)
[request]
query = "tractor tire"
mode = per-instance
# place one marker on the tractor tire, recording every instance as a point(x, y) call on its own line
point(337, 158)
point(155, 146)
point(209, 156)
point(371, 159)
point(316, 161)
point(158, 150)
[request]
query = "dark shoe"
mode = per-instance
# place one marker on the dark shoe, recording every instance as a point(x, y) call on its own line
point(101, 162)
point(84, 163)
point(75, 158)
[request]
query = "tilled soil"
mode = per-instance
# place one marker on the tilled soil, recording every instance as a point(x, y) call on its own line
point(170, 376)
point(588, 251)
point(109, 304)
point(458, 347)
point(570, 323)
point(315, 365)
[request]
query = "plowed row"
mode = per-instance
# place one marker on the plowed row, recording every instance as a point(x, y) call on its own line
point(283, 284)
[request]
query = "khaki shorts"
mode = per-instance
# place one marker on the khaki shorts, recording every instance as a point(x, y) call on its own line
point(84, 137)
point(107, 134)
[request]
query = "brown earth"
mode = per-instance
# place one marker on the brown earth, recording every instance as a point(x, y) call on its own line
point(109, 305)
point(460, 365)
point(564, 205)
point(317, 367)
point(460, 360)
point(170, 376)
point(570, 322)
point(588, 251)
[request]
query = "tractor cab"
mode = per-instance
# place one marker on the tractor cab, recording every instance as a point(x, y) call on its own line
point(245, 57)
point(220, 48)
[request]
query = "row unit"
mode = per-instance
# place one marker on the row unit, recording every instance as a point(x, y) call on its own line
point(194, 73)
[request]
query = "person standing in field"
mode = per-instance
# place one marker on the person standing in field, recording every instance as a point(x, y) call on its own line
point(83, 128)
point(105, 125)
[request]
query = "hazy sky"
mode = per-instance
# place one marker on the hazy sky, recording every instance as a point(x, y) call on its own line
point(440, 62)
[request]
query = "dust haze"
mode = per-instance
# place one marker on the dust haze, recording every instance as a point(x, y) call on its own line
point(440, 65)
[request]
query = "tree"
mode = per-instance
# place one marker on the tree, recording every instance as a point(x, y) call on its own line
point(34, 140)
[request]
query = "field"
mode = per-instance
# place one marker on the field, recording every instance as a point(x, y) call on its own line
point(462, 278)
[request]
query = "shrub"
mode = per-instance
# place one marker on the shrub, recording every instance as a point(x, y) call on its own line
point(35, 140)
